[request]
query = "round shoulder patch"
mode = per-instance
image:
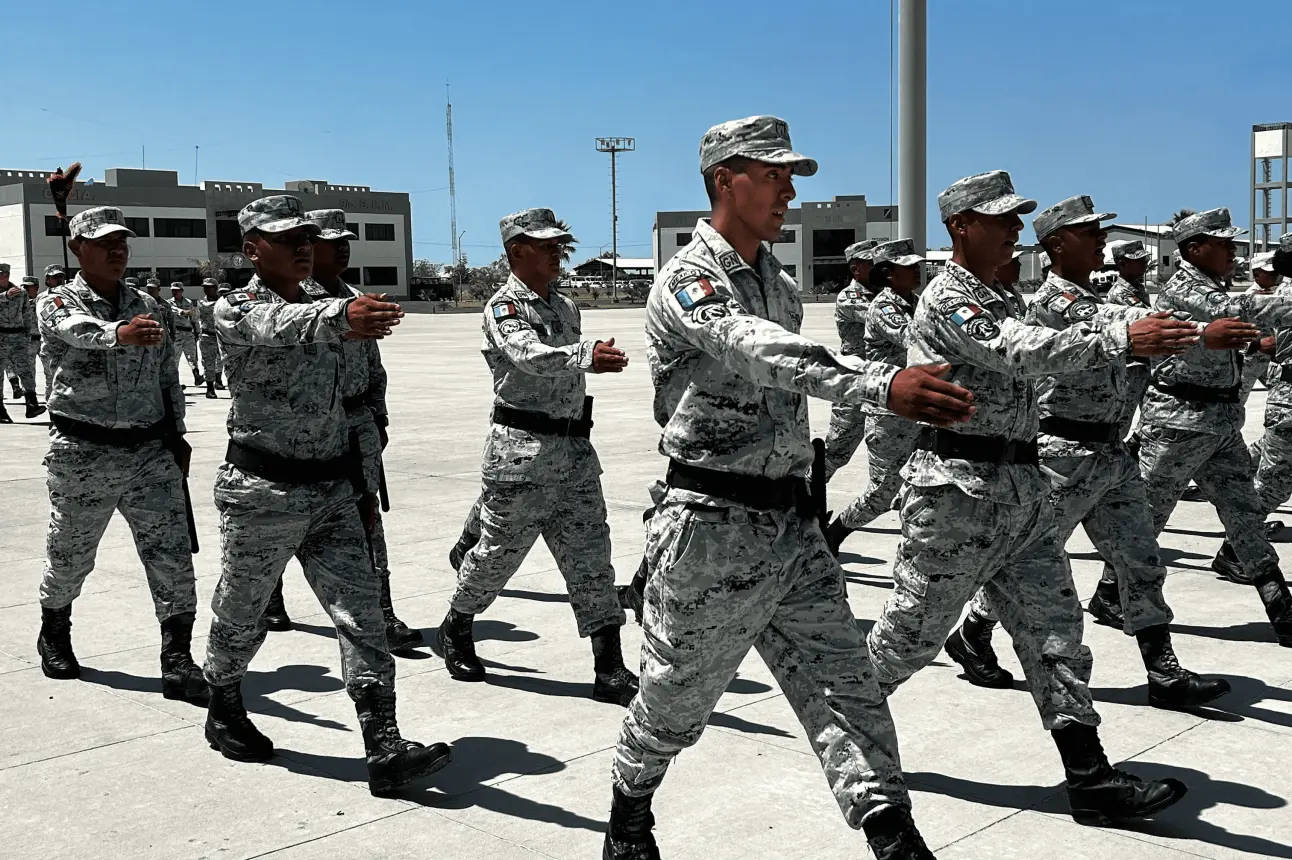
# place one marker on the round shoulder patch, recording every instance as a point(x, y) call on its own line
point(1083, 309)
point(982, 328)
point(509, 326)
point(709, 312)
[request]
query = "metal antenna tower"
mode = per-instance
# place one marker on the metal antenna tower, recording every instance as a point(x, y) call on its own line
point(453, 194)
point(614, 146)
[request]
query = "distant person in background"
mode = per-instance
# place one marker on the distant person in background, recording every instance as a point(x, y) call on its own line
point(186, 322)
point(207, 342)
point(847, 421)
point(15, 338)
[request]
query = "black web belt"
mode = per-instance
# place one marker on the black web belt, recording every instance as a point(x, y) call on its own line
point(1081, 431)
point(546, 425)
point(286, 470)
point(22, 329)
point(1199, 393)
point(349, 404)
point(120, 437)
point(978, 449)
point(751, 491)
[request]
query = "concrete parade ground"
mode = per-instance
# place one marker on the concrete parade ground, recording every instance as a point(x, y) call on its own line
point(104, 767)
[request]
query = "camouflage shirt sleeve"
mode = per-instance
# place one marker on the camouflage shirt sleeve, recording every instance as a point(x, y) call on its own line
point(514, 336)
point(252, 319)
point(886, 321)
point(376, 395)
point(763, 351)
point(61, 320)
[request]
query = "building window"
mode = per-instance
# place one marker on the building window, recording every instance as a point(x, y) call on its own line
point(353, 228)
point(139, 226)
point(228, 236)
point(791, 270)
point(380, 276)
point(180, 228)
point(1166, 262)
point(832, 243)
point(53, 227)
point(683, 239)
point(187, 277)
point(379, 232)
point(787, 237)
point(353, 277)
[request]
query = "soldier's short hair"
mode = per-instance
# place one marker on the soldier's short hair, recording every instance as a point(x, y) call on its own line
point(736, 164)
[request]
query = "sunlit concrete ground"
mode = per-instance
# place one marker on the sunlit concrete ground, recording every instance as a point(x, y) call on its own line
point(107, 768)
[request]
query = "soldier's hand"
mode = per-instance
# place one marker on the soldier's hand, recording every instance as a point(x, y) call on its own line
point(1268, 345)
point(606, 358)
point(143, 330)
point(13, 292)
point(1229, 333)
point(1161, 334)
point(62, 182)
point(370, 316)
point(920, 393)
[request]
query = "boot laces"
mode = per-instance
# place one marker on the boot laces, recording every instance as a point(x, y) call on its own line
point(232, 711)
point(58, 627)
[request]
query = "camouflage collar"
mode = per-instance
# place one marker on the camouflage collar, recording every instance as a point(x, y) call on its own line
point(731, 262)
point(984, 292)
point(1193, 273)
point(127, 295)
point(1066, 286)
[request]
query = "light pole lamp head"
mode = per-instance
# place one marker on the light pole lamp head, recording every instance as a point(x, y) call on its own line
point(616, 144)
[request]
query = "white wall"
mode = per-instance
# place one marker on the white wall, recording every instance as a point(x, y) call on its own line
point(365, 253)
point(144, 253)
point(13, 249)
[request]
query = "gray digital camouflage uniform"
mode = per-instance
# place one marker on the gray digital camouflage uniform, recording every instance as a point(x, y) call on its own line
point(99, 382)
point(186, 324)
point(15, 335)
point(208, 344)
point(1272, 453)
point(847, 422)
point(890, 438)
point(967, 524)
point(539, 484)
point(1189, 439)
point(285, 376)
point(1129, 295)
point(731, 374)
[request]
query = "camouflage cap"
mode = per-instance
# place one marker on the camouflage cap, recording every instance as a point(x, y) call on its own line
point(276, 214)
point(153, 282)
point(990, 193)
point(899, 252)
point(210, 282)
point(1068, 213)
point(225, 288)
point(331, 223)
point(1263, 260)
point(1285, 242)
point(1129, 249)
point(534, 223)
point(98, 222)
point(4, 268)
point(130, 282)
point(29, 281)
point(177, 285)
point(863, 250)
point(54, 269)
point(1214, 222)
point(762, 138)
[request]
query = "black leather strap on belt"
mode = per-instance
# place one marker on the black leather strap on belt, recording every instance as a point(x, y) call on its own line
point(546, 425)
point(22, 329)
point(1081, 431)
point(352, 403)
point(36, 338)
point(978, 449)
point(1199, 393)
point(751, 491)
point(1285, 373)
point(284, 470)
point(121, 437)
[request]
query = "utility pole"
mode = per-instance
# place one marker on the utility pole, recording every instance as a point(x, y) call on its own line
point(453, 194)
point(912, 133)
point(614, 146)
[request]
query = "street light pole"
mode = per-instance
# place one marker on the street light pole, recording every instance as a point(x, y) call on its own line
point(457, 268)
point(614, 146)
point(912, 182)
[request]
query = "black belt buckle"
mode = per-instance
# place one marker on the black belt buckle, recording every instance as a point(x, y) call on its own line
point(1007, 452)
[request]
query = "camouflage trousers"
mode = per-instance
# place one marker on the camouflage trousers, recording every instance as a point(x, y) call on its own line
point(33, 350)
point(571, 518)
point(186, 343)
point(472, 523)
point(210, 349)
point(1272, 456)
point(364, 426)
point(87, 482)
point(15, 354)
point(722, 580)
point(264, 524)
point(847, 429)
point(890, 439)
point(1104, 494)
point(1254, 368)
point(952, 545)
point(1222, 468)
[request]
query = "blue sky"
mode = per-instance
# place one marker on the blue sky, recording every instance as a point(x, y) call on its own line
point(1145, 105)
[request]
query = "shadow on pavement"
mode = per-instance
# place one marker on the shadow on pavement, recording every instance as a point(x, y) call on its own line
point(1251, 631)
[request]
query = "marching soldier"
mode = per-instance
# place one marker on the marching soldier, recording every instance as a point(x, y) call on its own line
point(736, 552)
point(186, 322)
point(848, 422)
point(32, 286)
point(541, 475)
point(15, 340)
point(116, 445)
point(973, 505)
point(207, 343)
point(288, 487)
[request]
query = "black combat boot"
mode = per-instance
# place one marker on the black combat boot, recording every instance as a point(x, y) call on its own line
point(835, 533)
point(1273, 527)
point(1227, 565)
point(1192, 493)
point(613, 684)
point(4, 415)
point(230, 730)
point(970, 646)
point(392, 761)
point(629, 835)
point(34, 409)
point(1273, 590)
point(465, 541)
point(1105, 605)
point(219, 382)
point(399, 636)
point(181, 677)
point(210, 390)
point(275, 616)
point(17, 389)
point(197, 379)
point(1099, 794)
point(1169, 685)
point(54, 644)
point(633, 597)
point(459, 648)
point(892, 835)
